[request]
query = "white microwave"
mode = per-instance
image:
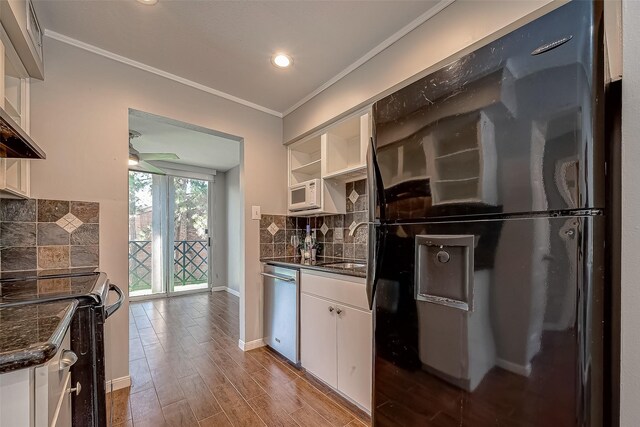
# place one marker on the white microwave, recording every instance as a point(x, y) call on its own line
point(305, 196)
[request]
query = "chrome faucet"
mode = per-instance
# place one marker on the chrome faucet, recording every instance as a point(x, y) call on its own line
point(358, 225)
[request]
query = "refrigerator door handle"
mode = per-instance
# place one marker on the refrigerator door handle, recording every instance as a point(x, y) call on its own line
point(374, 183)
point(375, 241)
point(371, 264)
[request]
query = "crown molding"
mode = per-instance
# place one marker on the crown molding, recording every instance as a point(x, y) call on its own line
point(373, 52)
point(124, 60)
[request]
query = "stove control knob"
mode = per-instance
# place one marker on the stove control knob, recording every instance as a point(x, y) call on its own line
point(67, 359)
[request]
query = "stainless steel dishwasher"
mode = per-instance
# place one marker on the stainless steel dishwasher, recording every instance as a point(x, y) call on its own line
point(282, 310)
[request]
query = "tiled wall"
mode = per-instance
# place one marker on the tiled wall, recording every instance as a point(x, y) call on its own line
point(276, 230)
point(47, 234)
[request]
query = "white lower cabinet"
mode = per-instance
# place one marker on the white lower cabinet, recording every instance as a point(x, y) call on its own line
point(355, 354)
point(39, 396)
point(318, 345)
point(336, 333)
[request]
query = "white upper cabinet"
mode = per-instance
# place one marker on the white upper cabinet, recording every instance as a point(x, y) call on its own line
point(305, 161)
point(335, 156)
point(344, 149)
point(21, 24)
point(14, 99)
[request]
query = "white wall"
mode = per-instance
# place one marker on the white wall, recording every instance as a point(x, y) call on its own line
point(219, 231)
point(630, 293)
point(457, 29)
point(80, 118)
point(233, 228)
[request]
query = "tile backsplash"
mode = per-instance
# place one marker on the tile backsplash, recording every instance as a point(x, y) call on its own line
point(47, 234)
point(332, 231)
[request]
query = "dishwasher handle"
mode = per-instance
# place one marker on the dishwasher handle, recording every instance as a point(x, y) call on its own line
point(275, 276)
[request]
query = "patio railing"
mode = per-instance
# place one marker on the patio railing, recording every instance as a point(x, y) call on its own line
point(190, 263)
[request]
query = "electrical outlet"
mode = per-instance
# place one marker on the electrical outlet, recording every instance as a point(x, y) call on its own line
point(338, 234)
point(255, 212)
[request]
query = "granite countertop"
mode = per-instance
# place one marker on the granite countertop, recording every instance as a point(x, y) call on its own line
point(298, 262)
point(31, 334)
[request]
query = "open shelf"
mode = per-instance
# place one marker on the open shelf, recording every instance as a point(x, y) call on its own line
point(311, 168)
point(352, 173)
point(305, 161)
point(345, 146)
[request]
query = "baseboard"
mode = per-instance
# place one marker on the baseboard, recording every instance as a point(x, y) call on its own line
point(233, 292)
point(246, 346)
point(523, 370)
point(118, 383)
point(226, 289)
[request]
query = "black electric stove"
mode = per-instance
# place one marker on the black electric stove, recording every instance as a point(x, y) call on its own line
point(91, 289)
point(27, 287)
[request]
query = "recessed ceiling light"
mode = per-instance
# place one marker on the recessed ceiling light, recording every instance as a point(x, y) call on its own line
point(148, 2)
point(282, 60)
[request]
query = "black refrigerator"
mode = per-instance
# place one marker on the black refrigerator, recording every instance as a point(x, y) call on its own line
point(487, 243)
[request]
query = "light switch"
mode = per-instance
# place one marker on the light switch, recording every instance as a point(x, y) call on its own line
point(255, 212)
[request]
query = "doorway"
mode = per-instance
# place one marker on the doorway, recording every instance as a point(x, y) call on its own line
point(179, 207)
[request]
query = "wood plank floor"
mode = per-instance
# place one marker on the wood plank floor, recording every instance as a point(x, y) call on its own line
point(187, 370)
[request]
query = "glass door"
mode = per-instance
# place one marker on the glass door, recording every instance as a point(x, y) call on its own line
point(147, 213)
point(189, 225)
point(169, 245)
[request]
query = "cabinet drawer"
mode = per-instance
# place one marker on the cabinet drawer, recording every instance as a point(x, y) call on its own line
point(344, 289)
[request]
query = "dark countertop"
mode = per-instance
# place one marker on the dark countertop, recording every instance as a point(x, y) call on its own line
point(31, 334)
point(317, 265)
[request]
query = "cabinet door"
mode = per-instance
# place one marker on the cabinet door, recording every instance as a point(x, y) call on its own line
point(318, 338)
point(14, 99)
point(62, 417)
point(355, 352)
point(16, 176)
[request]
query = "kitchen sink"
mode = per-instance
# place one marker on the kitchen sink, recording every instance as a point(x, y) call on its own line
point(345, 265)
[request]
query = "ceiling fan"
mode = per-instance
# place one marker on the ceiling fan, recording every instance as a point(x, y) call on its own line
point(140, 161)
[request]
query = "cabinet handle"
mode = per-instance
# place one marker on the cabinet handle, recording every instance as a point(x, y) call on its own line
point(331, 309)
point(67, 359)
point(339, 311)
point(77, 389)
